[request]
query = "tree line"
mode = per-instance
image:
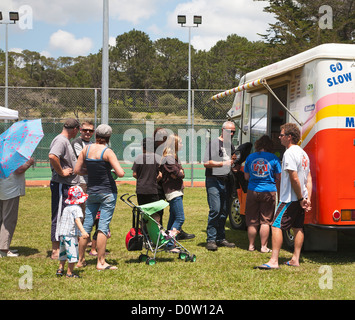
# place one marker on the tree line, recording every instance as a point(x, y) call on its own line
point(137, 62)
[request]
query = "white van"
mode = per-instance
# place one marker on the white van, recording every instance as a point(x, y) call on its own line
point(316, 90)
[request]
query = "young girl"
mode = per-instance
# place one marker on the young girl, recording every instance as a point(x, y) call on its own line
point(173, 185)
point(69, 226)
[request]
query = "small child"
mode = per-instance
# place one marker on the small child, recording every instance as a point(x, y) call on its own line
point(69, 226)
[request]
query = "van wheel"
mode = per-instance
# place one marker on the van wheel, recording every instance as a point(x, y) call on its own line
point(288, 239)
point(236, 219)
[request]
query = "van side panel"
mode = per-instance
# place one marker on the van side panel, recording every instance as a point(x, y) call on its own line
point(328, 136)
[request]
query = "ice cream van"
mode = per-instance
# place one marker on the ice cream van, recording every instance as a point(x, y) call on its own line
point(316, 90)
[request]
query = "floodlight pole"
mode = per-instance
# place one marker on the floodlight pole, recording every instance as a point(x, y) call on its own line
point(13, 17)
point(182, 21)
point(197, 21)
point(6, 66)
point(105, 66)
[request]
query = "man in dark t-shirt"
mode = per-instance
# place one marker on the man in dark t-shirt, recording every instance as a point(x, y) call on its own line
point(146, 170)
point(218, 163)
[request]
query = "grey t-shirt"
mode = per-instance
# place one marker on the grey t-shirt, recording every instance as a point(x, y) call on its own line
point(62, 148)
point(218, 150)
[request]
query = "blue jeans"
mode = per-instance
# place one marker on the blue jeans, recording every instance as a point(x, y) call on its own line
point(177, 216)
point(103, 202)
point(218, 201)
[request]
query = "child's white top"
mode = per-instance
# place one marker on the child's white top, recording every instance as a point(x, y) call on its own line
point(67, 225)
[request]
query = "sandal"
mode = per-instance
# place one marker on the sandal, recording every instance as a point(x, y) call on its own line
point(72, 275)
point(109, 267)
point(60, 272)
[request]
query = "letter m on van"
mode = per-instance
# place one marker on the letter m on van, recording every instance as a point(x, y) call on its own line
point(350, 122)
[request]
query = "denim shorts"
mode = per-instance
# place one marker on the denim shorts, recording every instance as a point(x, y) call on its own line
point(103, 202)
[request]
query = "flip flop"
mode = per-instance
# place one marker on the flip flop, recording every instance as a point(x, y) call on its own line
point(265, 267)
point(109, 267)
point(290, 265)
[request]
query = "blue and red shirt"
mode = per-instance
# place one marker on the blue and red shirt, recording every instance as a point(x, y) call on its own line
point(262, 167)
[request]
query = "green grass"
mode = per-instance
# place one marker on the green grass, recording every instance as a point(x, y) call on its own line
point(227, 274)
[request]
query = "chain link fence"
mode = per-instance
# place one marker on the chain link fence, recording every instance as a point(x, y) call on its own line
point(137, 111)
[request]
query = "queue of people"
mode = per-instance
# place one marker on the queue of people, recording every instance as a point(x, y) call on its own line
point(82, 186)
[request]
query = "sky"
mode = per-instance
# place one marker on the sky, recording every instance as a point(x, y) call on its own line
point(74, 28)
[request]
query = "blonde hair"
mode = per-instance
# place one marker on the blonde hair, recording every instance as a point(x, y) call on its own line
point(172, 145)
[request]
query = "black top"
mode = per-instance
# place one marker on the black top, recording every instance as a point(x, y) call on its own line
point(100, 176)
point(146, 167)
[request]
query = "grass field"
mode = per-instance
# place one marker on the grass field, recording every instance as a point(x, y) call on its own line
point(227, 274)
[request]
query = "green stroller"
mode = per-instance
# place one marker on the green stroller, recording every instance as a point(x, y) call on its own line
point(148, 231)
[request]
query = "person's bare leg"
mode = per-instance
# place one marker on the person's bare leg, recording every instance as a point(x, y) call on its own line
point(101, 251)
point(299, 238)
point(252, 232)
point(276, 247)
point(264, 237)
point(55, 250)
point(82, 247)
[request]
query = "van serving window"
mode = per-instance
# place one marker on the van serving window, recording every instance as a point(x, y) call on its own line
point(251, 85)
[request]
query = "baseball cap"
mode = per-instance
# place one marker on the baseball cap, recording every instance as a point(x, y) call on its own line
point(71, 123)
point(104, 130)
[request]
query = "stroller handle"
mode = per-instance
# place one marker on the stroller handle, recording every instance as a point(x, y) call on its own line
point(129, 200)
point(125, 201)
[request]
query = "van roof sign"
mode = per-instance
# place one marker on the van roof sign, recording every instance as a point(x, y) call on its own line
point(324, 51)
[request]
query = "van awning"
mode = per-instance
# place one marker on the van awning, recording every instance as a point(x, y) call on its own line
point(246, 86)
point(250, 85)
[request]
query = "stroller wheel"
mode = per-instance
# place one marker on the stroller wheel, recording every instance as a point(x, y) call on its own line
point(191, 258)
point(150, 261)
point(183, 255)
point(143, 258)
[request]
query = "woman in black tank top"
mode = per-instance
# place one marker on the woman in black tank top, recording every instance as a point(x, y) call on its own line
point(96, 161)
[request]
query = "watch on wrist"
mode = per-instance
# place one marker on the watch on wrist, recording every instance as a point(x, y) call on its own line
point(299, 200)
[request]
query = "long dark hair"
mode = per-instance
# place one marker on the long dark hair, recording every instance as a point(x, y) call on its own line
point(264, 143)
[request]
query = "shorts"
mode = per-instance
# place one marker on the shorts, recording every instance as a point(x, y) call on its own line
point(103, 202)
point(68, 249)
point(289, 215)
point(260, 208)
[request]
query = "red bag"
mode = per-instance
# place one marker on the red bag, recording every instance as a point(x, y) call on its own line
point(134, 240)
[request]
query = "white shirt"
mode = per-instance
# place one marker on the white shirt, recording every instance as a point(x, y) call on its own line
point(67, 225)
point(295, 159)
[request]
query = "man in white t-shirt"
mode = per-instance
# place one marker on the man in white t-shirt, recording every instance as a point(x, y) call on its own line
point(295, 196)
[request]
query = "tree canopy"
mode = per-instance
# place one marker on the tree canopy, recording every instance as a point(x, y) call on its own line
point(137, 62)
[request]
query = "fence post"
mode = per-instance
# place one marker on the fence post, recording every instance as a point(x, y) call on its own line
point(95, 95)
point(192, 136)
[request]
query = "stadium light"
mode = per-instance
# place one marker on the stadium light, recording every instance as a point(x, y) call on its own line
point(181, 19)
point(197, 20)
point(13, 17)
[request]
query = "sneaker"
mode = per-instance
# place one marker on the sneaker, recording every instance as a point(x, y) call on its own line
point(8, 254)
point(184, 236)
point(211, 246)
point(225, 243)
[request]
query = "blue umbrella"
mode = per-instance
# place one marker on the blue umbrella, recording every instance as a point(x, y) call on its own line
point(17, 145)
